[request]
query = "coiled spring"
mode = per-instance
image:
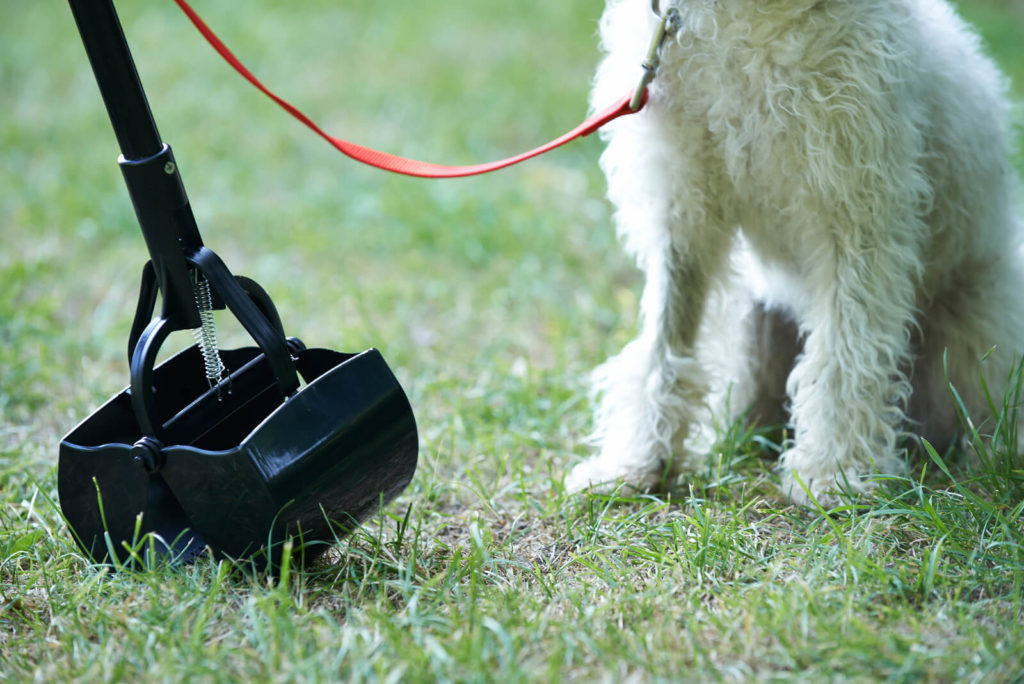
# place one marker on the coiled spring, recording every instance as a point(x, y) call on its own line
point(206, 335)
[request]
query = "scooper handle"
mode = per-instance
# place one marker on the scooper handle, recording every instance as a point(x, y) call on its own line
point(150, 172)
point(165, 216)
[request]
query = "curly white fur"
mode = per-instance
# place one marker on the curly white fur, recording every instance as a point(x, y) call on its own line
point(819, 196)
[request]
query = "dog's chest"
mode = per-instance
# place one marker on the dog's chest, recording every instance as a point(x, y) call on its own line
point(736, 81)
point(752, 97)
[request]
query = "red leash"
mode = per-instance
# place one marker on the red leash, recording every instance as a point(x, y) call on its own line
point(390, 162)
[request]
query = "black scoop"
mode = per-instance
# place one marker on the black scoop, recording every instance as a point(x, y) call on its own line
point(235, 451)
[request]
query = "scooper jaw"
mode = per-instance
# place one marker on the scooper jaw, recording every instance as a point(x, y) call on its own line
point(234, 451)
point(245, 471)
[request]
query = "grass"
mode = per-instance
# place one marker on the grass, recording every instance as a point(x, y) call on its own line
point(492, 298)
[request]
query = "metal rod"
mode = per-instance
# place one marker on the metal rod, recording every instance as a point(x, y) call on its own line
point(147, 164)
point(118, 80)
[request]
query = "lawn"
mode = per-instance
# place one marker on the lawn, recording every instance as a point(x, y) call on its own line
point(492, 298)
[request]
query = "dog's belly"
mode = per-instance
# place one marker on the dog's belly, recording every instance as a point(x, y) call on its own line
point(769, 276)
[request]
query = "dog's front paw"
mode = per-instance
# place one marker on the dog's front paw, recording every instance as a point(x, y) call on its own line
point(813, 493)
point(806, 483)
point(604, 475)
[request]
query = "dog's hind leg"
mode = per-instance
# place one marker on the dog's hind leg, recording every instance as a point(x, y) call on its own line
point(975, 316)
point(772, 346)
point(748, 347)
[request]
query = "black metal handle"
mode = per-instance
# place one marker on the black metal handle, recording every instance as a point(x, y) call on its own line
point(119, 83)
point(166, 219)
point(147, 164)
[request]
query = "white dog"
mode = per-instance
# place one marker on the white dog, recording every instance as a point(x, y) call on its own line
point(819, 195)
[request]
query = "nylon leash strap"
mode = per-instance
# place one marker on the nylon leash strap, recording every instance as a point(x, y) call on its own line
point(629, 104)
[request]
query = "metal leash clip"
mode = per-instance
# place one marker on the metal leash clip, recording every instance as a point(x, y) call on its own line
point(669, 22)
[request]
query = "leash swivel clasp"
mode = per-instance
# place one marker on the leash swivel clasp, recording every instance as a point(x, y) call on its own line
point(669, 22)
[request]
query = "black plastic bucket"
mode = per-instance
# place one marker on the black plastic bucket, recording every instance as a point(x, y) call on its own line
point(238, 469)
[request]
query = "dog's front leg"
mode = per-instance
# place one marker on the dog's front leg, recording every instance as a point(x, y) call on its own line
point(652, 392)
point(849, 389)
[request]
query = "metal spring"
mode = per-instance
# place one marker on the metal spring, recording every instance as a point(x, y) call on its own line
point(206, 335)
